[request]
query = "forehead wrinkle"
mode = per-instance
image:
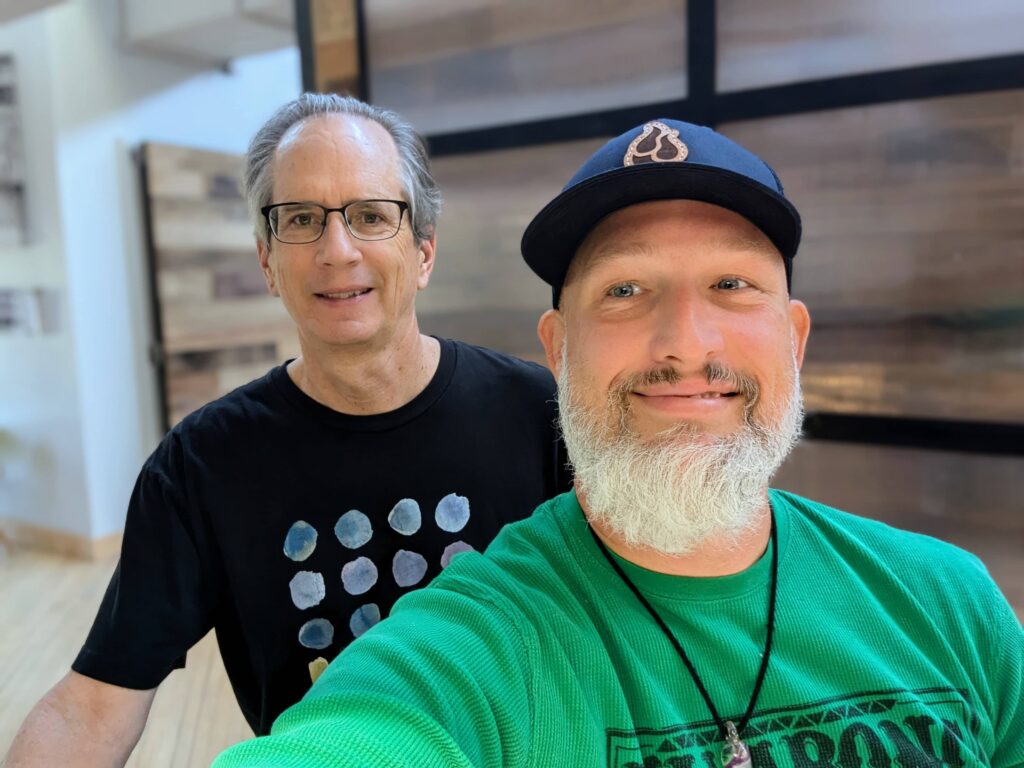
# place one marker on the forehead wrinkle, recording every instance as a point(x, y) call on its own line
point(607, 252)
point(759, 245)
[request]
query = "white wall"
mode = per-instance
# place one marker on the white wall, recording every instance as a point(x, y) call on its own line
point(42, 475)
point(102, 103)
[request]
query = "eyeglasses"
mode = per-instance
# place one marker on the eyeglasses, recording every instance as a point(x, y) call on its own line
point(297, 223)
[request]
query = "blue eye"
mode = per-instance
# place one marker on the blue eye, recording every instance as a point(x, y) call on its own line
point(731, 284)
point(623, 290)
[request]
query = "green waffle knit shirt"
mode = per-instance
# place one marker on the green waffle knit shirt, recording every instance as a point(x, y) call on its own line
point(890, 649)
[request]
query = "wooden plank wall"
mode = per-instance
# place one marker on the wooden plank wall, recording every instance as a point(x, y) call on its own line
point(220, 327)
point(453, 64)
point(787, 41)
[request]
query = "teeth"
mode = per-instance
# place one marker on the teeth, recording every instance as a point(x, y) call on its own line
point(349, 295)
point(709, 395)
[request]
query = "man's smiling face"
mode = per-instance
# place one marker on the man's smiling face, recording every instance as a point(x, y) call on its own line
point(674, 313)
point(677, 352)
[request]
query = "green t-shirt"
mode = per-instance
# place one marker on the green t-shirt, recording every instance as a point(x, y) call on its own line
point(890, 649)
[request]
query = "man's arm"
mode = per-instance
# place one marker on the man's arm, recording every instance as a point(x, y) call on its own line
point(444, 682)
point(81, 722)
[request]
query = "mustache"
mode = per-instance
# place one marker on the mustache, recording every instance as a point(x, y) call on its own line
point(714, 372)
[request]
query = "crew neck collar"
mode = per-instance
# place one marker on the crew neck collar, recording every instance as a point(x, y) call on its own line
point(435, 388)
point(666, 586)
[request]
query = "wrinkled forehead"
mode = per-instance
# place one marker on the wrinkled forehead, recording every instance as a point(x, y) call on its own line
point(336, 142)
point(335, 158)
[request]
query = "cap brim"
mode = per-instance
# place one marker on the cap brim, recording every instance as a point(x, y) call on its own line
point(551, 239)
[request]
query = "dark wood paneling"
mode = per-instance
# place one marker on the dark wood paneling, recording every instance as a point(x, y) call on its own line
point(913, 256)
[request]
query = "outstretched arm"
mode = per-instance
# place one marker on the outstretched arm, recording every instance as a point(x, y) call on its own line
point(444, 682)
point(81, 722)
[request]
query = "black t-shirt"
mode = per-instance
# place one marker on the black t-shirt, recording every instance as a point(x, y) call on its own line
point(292, 528)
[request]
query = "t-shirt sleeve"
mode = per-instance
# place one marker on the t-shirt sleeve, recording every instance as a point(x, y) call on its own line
point(443, 682)
point(162, 597)
point(1007, 663)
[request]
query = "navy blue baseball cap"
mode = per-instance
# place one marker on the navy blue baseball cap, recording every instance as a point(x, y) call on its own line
point(660, 160)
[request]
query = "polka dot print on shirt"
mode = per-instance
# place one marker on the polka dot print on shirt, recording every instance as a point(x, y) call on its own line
point(354, 529)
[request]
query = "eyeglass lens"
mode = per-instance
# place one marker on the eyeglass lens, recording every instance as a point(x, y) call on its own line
point(366, 220)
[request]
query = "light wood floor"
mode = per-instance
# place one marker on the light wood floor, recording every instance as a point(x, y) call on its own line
point(47, 604)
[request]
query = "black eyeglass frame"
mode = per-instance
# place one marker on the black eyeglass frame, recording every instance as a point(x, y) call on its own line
point(402, 208)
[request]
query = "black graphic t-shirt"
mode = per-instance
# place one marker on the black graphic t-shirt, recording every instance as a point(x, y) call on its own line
point(292, 528)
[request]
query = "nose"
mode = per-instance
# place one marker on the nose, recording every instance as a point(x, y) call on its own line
point(336, 245)
point(687, 332)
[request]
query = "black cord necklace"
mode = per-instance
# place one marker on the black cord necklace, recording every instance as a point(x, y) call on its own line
point(735, 753)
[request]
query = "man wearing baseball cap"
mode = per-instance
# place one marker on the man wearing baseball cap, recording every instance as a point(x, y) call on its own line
point(673, 610)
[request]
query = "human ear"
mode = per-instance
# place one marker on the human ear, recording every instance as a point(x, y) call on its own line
point(428, 253)
point(551, 331)
point(263, 251)
point(800, 321)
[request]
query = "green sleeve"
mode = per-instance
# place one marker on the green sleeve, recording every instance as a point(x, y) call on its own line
point(443, 682)
point(1007, 637)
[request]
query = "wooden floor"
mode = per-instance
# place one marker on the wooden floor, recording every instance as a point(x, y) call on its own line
point(47, 604)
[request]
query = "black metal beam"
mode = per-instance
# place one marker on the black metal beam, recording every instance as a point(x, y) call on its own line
point(951, 79)
point(307, 51)
point(701, 62)
point(593, 125)
point(362, 56)
point(934, 434)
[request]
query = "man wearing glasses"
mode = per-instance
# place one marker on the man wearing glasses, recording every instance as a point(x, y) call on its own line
point(293, 512)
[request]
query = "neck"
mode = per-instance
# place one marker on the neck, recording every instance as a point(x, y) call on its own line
point(364, 380)
point(710, 558)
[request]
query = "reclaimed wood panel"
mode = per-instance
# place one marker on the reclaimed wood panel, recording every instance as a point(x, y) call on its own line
point(220, 328)
point(912, 262)
point(457, 64)
point(786, 41)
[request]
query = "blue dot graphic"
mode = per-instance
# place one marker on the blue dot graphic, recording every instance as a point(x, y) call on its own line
point(307, 588)
point(353, 529)
point(363, 618)
point(452, 550)
point(359, 575)
point(452, 513)
point(317, 633)
point(300, 541)
point(405, 517)
point(408, 568)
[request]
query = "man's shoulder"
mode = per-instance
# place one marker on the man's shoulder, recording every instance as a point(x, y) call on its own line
point(500, 367)
point(243, 403)
point(928, 563)
point(228, 420)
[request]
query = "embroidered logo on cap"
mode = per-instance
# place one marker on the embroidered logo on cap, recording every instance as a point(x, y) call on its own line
point(657, 144)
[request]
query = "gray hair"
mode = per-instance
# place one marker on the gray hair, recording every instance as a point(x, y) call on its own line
point(421, 190)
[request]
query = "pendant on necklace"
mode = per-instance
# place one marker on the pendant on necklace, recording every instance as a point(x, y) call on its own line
point(735, 753)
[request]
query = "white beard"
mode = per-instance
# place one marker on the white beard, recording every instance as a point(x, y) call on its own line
point(680, 488)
